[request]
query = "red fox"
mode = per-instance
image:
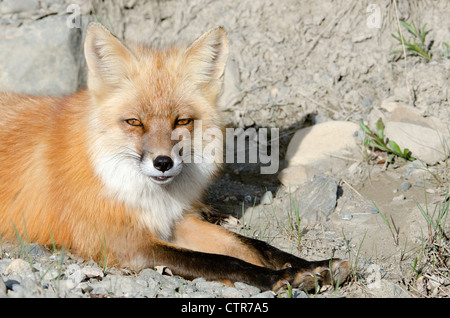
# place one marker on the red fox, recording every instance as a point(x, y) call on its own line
point(96, 172)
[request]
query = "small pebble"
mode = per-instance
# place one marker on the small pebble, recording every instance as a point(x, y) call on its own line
point(267, 198)
point(231, 292)
point(266, 294)
point(252, 290)
point(405, 185)
point(346, 216)
point(401, 197)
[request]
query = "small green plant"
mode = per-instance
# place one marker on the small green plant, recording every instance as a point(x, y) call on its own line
point(289, 290)
point(379, 141)
point(417, 45)
point(436, 220)
point(434, 254)
point(395, 231)
point(104, 259)
point(295, 220)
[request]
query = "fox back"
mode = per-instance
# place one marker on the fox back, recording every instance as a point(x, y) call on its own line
point(74, 170)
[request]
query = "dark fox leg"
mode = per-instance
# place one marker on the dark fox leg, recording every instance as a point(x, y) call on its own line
point(228, 256)
point(192, 264)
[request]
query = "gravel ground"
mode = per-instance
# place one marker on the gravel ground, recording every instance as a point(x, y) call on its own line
point(45, 274)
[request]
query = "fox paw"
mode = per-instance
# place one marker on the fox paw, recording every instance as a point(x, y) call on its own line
point(324, 273)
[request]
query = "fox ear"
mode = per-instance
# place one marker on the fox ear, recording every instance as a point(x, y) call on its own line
point(207, 56)
point(108, 60)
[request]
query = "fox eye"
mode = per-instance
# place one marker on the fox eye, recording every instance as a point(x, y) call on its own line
point(134, 122)
point(183, 121)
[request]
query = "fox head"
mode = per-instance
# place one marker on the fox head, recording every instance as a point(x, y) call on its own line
point(140, 98)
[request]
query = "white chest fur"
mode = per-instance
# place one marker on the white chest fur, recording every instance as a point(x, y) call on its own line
point(157, 207)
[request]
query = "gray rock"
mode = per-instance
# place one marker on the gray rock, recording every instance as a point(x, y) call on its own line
point(9, 283)
point(85, 287)
point(150, 275)
point(153, 280)
point(72, 268)
point(208, 286)
point(99, 289)
point(4, 264)
point(231, 292)
point(167, 292)
point(48, 273)
point(405, 185)
point(47, 46)
point(37, 250)
point(198, 280)
point(125, 286)
point(316, 201)
point(415, 170)
point(77, 277)
point(200, 294)
point(14, 6)
point(3, 288)
point(252, 290)
point(14, 285)
point(266, 294)
point(297, 293)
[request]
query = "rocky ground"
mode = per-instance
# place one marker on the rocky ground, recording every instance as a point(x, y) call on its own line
point(312, 69)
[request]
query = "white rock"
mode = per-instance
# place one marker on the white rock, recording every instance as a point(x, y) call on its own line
point(78, 276)
point(17, 266)
point(49, 274)
point(389, 104)
point(374, 115)
point(72, 268)
point(267, 198)
point(295, 175)
point(399, 198)
point(426, 144)
point(92, 271)
point(410, 115)
point(325, 146)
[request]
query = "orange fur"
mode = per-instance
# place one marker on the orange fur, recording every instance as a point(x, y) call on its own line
point(46, 179)
point(50, 187)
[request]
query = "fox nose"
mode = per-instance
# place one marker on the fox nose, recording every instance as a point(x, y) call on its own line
point(163, 163)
